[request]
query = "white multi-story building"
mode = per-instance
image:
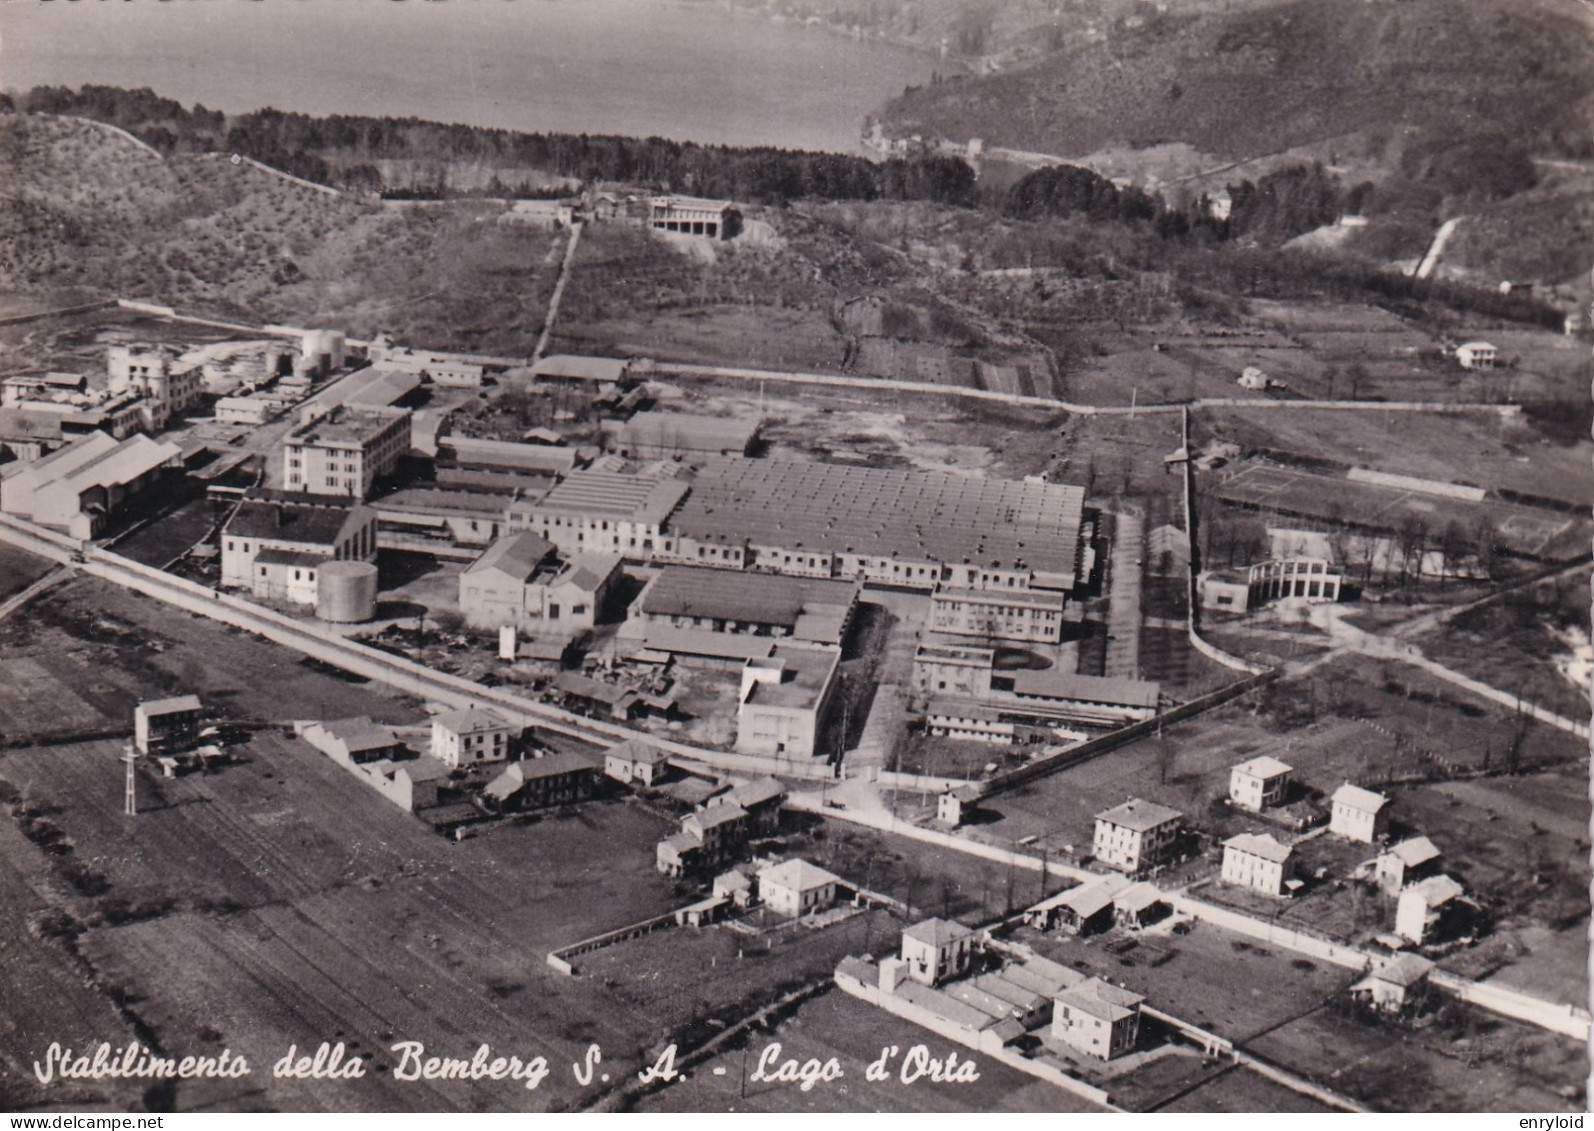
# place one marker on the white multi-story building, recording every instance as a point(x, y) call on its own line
point(147, 370)
point(1259, 783)
point(1136, 835)
point(1358, 814)
point(1257, 862)
point(275, 547)
point(344, 452)
point(470, 737)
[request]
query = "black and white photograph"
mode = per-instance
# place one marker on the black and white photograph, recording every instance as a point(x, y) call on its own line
point(795, 556)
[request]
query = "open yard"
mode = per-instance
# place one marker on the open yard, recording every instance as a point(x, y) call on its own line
point(20, 569)
point(301, 907)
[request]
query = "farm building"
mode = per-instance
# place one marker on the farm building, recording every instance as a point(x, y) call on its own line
point(1397, 983)
point(1080, 910)
point(635, 761)
point(1358, 814)
point(1406, 862)
point(1477, 355)
point(956, 805)
point(1259, 783)
point(555, 778)
point(1137, 835)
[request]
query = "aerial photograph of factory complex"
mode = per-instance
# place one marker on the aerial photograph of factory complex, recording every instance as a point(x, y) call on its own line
point(1101, 622)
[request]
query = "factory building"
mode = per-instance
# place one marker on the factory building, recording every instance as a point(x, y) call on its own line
point(914, 529)
point(344, 452)
point(755, 604)
point(678, 435)
point(275, 547)
point(1027, 615)
point(81, 488)
point(601, 510)
point(520, 581)
point(147, 372)
point(786, 700)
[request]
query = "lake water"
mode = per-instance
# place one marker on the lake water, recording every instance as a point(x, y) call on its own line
point(635, 67)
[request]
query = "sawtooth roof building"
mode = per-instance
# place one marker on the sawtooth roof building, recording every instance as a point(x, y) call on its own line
point(909, 528)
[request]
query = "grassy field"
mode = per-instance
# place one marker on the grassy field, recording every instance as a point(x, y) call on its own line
point(20, 569)
point(79, 659)
point(837, 1025)
point(302, 907)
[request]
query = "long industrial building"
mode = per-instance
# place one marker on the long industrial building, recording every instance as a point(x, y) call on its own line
point(911, 528)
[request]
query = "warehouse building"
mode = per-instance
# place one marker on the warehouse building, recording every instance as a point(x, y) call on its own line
point(521, 581)
point(915, 529)
point(674, 435)
point(81, 488)
point(755, 604)
point(274, 547)
point(601, 510)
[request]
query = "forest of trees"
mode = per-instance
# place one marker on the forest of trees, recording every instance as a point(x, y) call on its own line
point(341, 150)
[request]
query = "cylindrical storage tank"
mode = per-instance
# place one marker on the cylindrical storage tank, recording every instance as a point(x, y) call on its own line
point(346, 592)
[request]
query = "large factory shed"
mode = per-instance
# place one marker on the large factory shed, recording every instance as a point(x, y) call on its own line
point(667, 435)
point(758, 604)
point(910, 528)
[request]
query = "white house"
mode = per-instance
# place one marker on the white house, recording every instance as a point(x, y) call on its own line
point(796, 888)
point(1097, 1018)
point(1477, 355)
point(635, 761)
point(469, 737)
point(1259, 783)
point(937, 949)
point(1136, 835)
point(1423, 906)
point(1257, 862)
point(1406, 861)
point(1358, 814)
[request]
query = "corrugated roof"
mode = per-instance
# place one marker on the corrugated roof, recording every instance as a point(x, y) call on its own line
point(878, 512)
point(578, 368)
point(616, 494)
point(468, 452)
point(1139, 815)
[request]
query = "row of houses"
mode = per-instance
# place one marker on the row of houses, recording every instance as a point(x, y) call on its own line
point(717, 829)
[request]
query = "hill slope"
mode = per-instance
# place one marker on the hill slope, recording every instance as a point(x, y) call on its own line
point(1241, 84)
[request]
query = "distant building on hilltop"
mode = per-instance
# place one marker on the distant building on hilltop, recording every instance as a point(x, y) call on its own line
point(694, 216)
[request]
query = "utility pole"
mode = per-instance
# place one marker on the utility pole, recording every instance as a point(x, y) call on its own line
point(130, 794)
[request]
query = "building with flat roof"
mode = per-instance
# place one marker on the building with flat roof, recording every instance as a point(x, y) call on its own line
point(786, 700)
point(755, 604)
point(1136, 835)
point(1258, 862)
point(619, 512)
point(953, 668)
point(1031, 615)
point(81, 488)
point(521, 581)
point(694, 216)
point(274, 547)
point(346, 451)
point(917, 529)
point(1259, 783)
point(678, 435)
point(796, 888)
